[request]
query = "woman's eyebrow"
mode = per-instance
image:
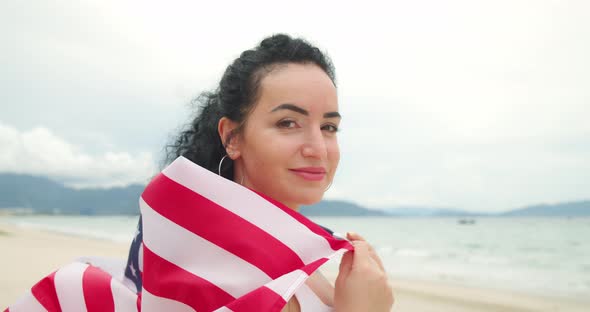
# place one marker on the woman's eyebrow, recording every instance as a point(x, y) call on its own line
point(302, 111)
point(332, 115)
point(292, 107)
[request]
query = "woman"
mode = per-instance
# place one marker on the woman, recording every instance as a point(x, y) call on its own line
point(271, 125)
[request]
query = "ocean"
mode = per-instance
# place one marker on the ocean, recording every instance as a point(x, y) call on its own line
point(532, 255)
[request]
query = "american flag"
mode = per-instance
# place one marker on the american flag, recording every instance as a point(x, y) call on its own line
point(204, 243)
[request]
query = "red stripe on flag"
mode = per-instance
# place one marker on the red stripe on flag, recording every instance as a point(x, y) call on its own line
point(44, 292)
point(138, 301)
point(261, 299)
point(167, 280)
point(220, 226)
point(310, 268)
point(96, 285)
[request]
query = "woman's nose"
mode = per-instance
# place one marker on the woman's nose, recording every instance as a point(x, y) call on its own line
point(314, 144)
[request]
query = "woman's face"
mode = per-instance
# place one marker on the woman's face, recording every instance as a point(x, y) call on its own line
point(288, 149)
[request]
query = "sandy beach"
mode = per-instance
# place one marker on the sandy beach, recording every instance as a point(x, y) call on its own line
point(29, 254)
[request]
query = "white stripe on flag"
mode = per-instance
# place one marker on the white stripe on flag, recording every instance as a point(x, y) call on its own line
point(27, 303)
point(68, 286)
point(113, 266)
point(140, 256)
point(224, 309)
point(309, 301)
point(124, 299)
point(151, 303)
point(163, 237)
point(286, 285)
point(308, 245)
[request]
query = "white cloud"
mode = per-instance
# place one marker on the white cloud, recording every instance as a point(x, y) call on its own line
point(39, 152)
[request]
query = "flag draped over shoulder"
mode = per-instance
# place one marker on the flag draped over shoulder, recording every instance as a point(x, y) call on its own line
point(208, 244)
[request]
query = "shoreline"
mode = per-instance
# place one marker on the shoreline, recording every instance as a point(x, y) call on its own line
point(30, 254)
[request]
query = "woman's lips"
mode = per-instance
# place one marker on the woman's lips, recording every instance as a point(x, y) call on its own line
point(311, 173)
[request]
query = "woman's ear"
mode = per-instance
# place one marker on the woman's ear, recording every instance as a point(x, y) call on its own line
point(229, 138)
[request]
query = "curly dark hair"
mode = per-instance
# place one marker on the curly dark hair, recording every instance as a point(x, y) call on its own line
point(235, 97)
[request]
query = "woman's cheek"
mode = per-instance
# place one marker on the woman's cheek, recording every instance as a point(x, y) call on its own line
point(335, 152)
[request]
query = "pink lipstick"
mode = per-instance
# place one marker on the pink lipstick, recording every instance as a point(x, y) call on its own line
point(310, 173)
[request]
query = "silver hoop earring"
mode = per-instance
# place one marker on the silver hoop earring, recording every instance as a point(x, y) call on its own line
point(220, 162)
point(219, 170)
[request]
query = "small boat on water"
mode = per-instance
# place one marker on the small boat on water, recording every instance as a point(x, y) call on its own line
point(466, 221)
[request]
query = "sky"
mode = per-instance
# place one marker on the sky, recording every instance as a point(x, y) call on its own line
point(474, 105)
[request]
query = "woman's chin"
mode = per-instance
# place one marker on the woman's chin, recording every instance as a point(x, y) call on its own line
point(310, 199)
point(294, 200)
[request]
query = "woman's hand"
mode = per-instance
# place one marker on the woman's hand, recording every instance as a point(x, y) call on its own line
point(362, 284)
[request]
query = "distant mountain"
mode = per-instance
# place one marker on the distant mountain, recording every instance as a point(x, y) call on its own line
point(42, 195)
point(569, 209)
point(338, 208)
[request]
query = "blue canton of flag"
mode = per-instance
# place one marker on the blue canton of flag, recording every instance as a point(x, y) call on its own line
point(134, 267)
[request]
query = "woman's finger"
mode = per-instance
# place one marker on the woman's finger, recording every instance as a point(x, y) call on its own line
point(361, 255)
point(353, 236)
point(345, 264)
point(376, 258)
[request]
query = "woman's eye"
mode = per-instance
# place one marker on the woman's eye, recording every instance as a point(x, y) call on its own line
point(330, 128)
point(287, 124)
